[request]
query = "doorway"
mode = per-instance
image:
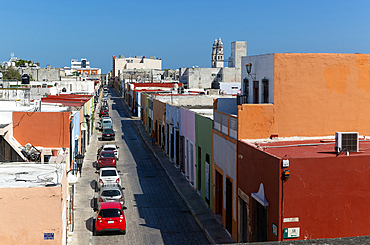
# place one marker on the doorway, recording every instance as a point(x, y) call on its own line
point(229, 205)
point(199, 169)
point(219, 193)
point(259, 222)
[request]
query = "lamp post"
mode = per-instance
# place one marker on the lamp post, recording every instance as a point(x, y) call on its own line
point(79, 160)
point(249, 70)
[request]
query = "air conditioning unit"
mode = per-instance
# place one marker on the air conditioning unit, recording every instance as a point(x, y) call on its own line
point(346, 140)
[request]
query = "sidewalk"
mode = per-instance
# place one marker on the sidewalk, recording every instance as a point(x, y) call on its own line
point(84, 193)
point(214, 231)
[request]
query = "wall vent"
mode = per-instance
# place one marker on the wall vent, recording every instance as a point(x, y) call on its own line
point(346, 140)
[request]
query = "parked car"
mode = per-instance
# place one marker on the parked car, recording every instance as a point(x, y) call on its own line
point(111, 193)
point(104, 103)
point(108, 176)
point(106, 122)
point(104, 111)
point(108, 134)
point(106, 159)
point(110, 218)
point(109, 147)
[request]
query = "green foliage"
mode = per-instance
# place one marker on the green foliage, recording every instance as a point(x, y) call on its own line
point(21, 62)
point(11, 74)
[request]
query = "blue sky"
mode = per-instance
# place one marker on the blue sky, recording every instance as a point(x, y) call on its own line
point(179, 32)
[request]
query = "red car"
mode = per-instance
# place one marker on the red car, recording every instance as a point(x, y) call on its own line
point(106, 159)
point(110, 218)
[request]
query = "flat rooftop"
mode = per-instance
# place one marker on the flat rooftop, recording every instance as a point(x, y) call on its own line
point(6, 106)
point(27, 175)
point(307, 148)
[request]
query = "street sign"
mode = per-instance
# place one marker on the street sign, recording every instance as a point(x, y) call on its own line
point(48, 236)
point(291, 232)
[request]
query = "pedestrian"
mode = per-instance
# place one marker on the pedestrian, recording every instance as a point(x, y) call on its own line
point(79, 168)
point(152, 136)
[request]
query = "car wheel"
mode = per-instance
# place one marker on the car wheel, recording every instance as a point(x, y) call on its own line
point(95, 232)
point(124, 232)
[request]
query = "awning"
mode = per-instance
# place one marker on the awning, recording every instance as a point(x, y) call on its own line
point(72, 179)
point(260, 196)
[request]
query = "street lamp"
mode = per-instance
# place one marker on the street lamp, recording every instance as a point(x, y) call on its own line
point(79, 160)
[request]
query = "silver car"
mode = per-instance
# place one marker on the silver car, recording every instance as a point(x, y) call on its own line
point(108, 176)
point(111, 193)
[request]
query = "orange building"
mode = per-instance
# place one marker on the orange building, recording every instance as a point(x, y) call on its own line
point(46, 129)
point(304, 95)
point(300, 95)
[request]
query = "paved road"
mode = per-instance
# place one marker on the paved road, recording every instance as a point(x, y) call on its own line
point(155, 212)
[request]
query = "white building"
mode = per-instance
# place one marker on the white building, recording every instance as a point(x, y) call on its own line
point(202, 78)
point(137, 63)
point(84, 63)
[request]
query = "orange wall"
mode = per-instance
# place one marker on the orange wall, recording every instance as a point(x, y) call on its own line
point(46, 129)
point(28, 213)
point(314, 95)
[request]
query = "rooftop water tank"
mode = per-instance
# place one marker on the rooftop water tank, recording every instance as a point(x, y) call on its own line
point(25, 79)
point(215, 85)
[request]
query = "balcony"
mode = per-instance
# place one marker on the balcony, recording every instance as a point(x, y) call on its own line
point(241, 99)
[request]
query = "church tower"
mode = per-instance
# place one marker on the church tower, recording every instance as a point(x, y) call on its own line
point(217, 54)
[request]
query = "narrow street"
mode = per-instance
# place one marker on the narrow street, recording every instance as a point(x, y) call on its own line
point(155, 212)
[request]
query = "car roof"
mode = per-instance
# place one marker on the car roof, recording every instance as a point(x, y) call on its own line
point(108, 129)
point(110, 146)
point(106, 205)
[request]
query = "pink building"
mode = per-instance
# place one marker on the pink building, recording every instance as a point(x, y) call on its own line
point(33, 203)
point(188, 131)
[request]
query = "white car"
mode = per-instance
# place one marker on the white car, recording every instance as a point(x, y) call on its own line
point(111, 147)
point(108, 176)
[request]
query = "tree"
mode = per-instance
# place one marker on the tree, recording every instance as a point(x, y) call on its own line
point(21, 62)
point(11, 74)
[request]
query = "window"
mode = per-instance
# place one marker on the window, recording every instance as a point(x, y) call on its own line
point(256, 92)
point(106, 173)
point(265, 84)
point(246, 87)
point(110, 213)
point(110, 193)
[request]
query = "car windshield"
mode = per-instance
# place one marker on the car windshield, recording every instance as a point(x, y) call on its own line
point(107, 154)
point(106, 173)
point(108, 131)
point(111, 193)
point(110, 213)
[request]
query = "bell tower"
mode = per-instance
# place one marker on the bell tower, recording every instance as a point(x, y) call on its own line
point(217, 54)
